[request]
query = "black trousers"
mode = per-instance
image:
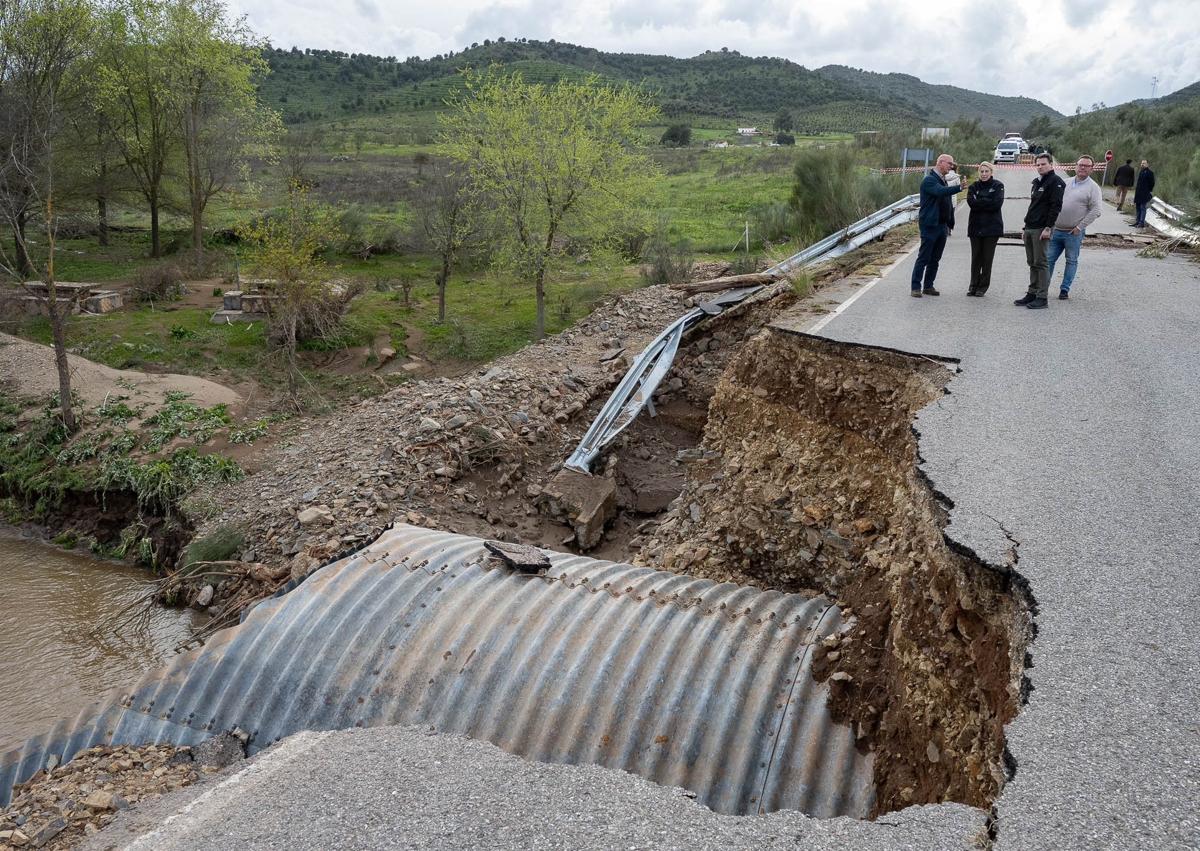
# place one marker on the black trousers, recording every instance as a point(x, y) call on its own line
point(929, 255)
point(983, 249)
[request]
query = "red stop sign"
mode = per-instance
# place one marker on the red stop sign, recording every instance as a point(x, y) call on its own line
point(1108, 156)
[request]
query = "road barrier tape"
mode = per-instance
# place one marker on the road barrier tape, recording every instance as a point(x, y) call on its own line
point(1099, 168)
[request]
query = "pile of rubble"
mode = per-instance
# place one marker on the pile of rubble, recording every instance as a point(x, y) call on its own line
point(62, 804)
point(473, 455)
point(410, 453)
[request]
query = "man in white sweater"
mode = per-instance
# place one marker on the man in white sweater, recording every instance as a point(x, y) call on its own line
point(1081, 207)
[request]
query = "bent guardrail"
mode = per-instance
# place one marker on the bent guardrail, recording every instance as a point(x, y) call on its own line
point(649, 368)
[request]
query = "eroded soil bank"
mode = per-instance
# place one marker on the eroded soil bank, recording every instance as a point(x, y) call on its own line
point(809, 480)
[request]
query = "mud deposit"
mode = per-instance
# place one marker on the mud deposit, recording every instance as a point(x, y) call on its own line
point(808, 480)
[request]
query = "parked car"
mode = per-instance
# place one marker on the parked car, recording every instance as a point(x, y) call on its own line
point(1007, 151)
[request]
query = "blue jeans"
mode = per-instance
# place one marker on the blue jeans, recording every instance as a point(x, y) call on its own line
point(1060, 241)
point(1140, 216)
point(929, 255)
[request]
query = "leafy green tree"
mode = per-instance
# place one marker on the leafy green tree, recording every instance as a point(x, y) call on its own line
point(785, 139)
point(677, 136)
point(553, 161)
point(446, 220)
point(213, 69)
point(285, 249)
point(141, 106)
point(43, 45)
point(784, 122)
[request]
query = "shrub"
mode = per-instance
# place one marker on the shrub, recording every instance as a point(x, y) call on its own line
point(677, 136)
point(218, 545)
point(160, 282)
point(666, 263)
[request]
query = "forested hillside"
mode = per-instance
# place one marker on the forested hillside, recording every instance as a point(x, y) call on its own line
point(314, 84)
point(942, 105)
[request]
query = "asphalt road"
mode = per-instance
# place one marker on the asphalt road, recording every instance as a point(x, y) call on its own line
point(397, 787)
point(1075, 428)
point(1072, 429)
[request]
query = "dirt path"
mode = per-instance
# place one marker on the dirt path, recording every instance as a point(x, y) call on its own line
point(27, 369)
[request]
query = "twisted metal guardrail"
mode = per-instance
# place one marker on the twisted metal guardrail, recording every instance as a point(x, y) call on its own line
point(637, 388)
point(1171, 221)
point(644, 375)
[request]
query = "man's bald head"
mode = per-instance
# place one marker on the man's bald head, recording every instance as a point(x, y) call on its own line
point(945, 164)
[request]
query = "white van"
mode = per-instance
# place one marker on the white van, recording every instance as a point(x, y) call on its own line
point(1007, 151)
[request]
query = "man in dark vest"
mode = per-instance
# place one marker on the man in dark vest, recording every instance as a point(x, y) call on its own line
point(936, 220)
point(1045, 203)
point(1123, 180)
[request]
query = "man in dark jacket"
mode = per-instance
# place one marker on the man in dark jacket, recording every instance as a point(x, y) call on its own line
point(1123, 180)
point(936, 220)
point(1144, 194)
point(1045, 203)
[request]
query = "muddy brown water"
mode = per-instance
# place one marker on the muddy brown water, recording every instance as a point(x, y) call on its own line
point(52, 664)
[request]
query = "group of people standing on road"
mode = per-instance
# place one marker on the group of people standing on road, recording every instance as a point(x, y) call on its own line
point(1124, 180)
point(1055, 222)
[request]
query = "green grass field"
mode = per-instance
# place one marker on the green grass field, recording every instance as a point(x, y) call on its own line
point(702, 194)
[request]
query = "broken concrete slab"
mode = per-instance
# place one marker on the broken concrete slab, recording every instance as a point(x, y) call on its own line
point(588, 503)
point(519, 556)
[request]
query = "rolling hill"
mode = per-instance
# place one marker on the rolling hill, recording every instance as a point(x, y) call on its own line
point(940, 105)
point(313, 85)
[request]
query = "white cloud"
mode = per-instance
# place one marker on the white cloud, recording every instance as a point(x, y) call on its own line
point(1066, 53)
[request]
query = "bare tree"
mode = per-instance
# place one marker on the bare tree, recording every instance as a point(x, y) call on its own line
point(446, 222)
point(41, 45)
point(300, 147)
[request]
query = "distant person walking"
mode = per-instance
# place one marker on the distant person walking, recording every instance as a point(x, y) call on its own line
point(1123, 180)
point(1143, 195)
point(1081, 206)
point(985, 226)
point(1045, 203)
point(936, 219)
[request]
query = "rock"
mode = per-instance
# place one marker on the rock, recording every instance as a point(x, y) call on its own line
point(386, 354)
point(50, 830)
point(311, 515)
point(588, 502)
point(458, 421)
point(412, 366)
point(16, 838)
point(841, 677)
point(220, 751)
point(675, 384)
point(519, 556)
point(102, 800)
point(932, 753)
point(204, 597)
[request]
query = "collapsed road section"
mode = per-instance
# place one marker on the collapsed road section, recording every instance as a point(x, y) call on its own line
point(810, 481)
point(684, 681)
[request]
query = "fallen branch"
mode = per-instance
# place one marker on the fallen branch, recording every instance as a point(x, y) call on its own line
point(750, 279)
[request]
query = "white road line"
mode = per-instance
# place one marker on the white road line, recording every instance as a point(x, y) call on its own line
point(841, 308)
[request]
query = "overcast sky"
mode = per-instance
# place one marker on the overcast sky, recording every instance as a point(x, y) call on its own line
point(1066, 53)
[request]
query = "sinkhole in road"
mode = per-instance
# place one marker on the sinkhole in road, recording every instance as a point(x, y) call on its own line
point(809, 480)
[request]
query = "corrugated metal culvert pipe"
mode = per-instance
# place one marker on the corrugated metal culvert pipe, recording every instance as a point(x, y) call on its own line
point(680, 680)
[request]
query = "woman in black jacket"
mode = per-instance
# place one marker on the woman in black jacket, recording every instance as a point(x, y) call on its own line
point(985, 226)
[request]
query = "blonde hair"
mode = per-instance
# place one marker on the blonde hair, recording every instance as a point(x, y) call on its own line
point(991, 166)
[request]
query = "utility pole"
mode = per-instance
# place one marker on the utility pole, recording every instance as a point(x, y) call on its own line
point(1153, 86)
